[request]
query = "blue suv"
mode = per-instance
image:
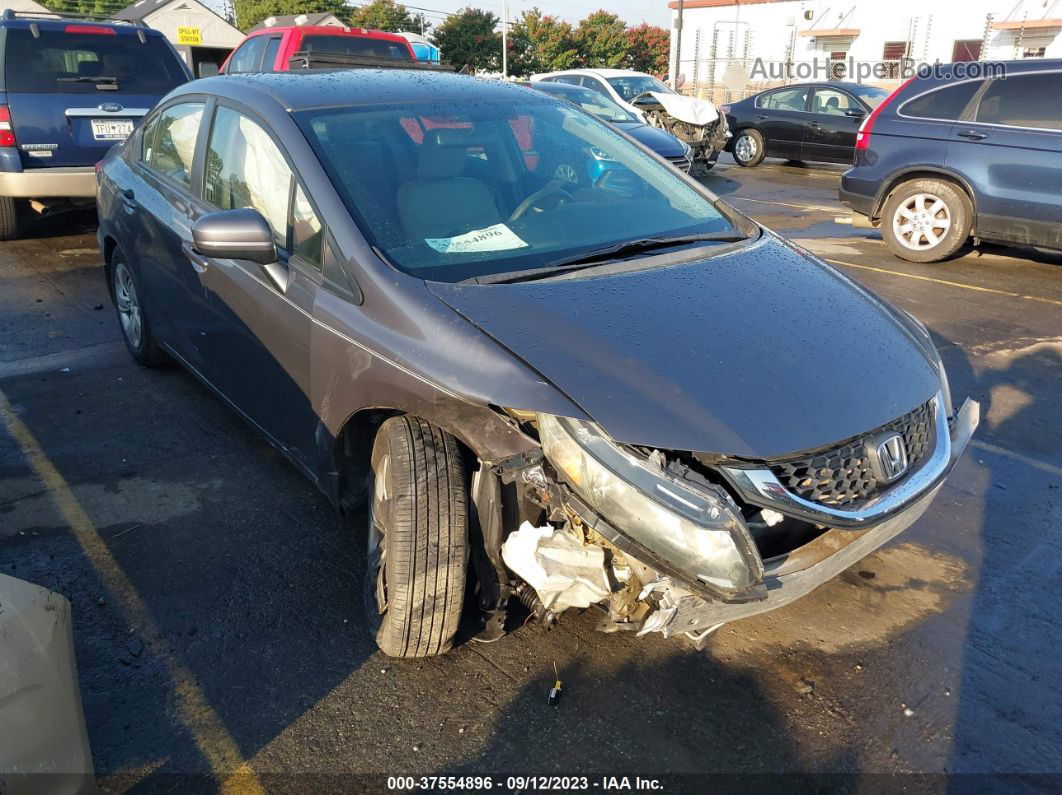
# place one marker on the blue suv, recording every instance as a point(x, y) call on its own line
point(69, 90)
point(971, 150)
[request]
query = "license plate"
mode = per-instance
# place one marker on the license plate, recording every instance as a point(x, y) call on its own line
point(111, 129)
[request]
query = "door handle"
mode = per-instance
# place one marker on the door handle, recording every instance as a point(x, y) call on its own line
point(814, 124)
point(199, 262)
point(761, 115)
point(973, 135)
point(128, 200)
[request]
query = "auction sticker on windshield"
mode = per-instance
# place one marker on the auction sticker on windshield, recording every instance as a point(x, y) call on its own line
point(492, 238)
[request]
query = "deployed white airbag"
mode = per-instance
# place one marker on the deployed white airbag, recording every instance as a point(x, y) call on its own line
point(564, 571)
point(688, 109)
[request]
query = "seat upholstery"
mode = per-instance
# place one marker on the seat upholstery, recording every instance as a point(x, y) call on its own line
point(439, 202)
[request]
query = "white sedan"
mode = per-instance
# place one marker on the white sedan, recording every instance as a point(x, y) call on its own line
point(620, 85)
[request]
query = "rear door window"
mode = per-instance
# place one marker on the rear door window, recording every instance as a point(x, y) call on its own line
point(946, 103)
point(173, 149)
point(832, 102)
point(1023, 101)
point(68, 62)
point(786, 99)
point(248, 56)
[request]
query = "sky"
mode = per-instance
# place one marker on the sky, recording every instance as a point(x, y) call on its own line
point(634, 12)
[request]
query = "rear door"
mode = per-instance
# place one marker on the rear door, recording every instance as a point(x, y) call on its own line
point(829, 133)
point(76, 90)
point(781, 115)
point(1010, 151)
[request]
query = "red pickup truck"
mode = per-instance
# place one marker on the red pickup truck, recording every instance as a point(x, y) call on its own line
point(271, 49)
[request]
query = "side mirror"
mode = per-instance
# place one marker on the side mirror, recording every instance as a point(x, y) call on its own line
point(855, 113)
point(207, 69)
point(240, 234)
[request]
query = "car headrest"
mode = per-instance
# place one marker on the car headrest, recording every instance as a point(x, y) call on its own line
point(438, 160)
point(89, 69)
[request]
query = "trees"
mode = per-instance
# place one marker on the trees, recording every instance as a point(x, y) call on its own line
point(250, 12)
point(648, 49)
point(468, 38)
point(384, 15)
point(540, 43)
point(602, 40)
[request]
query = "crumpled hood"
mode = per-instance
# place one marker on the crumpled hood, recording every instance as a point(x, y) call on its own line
point(758, 353)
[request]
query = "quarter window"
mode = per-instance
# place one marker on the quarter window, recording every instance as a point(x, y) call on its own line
point(305, 229)
point(173, 149)
point(147, 138)
point(1023, 101)
point(270, 58)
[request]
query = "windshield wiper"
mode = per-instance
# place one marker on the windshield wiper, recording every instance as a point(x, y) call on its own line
point(605, 255)
point(88, 79)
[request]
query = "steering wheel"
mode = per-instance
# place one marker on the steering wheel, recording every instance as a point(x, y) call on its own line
point(552, 189)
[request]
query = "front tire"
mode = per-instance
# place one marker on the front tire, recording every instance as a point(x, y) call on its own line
point(926, 220)
point(418, 538)
point(749, 148)
point(132, 319)
point(10, 219)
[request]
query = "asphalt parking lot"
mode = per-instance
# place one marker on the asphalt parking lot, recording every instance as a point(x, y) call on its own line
point(216, 595)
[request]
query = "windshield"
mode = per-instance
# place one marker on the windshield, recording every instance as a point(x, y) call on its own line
point(872, 95)
point(90, 63)
point(452, 191)
point(590, 101)
point(631, 86)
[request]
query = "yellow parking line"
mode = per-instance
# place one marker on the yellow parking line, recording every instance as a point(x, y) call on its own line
point(194, 711)
point(1054, 301)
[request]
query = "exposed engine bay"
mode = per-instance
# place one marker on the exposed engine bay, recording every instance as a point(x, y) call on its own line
point(695, 121)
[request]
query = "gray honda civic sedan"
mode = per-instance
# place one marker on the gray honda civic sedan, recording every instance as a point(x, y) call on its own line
point(625, 396)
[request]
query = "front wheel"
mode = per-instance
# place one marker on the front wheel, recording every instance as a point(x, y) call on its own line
point(926, 220)
point(418, 537)
point(749, 148)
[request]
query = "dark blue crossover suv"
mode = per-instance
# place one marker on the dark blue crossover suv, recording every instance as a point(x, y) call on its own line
point(69, 90)
point(970, 150)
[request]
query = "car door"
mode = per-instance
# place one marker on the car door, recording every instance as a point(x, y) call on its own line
point(781, 116)
point(1010, 150)
point(156, 222)
point(830, 130)
point(257, 346)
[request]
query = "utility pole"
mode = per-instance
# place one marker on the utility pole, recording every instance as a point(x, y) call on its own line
point(678, 46)
point(422, 24)
point(505, 39)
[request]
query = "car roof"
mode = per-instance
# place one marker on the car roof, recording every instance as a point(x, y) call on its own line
point(599, 72)
point(330, 30)
point(61, 25)
point(302, 90)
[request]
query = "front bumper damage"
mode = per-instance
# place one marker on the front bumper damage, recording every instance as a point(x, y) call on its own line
point(649, 595)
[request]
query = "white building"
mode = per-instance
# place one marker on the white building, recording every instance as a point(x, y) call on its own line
point(768, 42)
point(201, 36)
point(24, 7)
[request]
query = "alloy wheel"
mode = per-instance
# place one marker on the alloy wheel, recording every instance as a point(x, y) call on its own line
point(745, 148)
point(921, 222)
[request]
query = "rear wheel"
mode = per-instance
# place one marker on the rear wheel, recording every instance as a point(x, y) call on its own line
point(418, 534)
point(10, 220)
point(749, 148)
point(926, 220)
point(136, 330)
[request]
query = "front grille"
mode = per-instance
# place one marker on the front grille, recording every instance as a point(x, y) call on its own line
point(681, 163)
point(841, 475)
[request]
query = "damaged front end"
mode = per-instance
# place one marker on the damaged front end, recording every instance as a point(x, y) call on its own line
point(681, 543)
point(694, 121)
